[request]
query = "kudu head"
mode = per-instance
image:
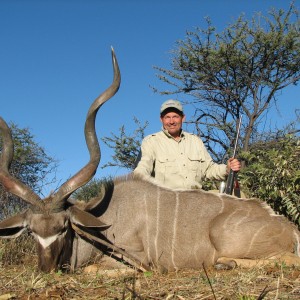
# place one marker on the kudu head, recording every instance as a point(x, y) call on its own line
point(50, 220)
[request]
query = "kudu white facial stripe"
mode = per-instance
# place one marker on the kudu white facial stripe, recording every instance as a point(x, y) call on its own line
point(46, 242)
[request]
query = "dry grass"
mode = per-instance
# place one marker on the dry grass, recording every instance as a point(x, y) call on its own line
point(23, 281)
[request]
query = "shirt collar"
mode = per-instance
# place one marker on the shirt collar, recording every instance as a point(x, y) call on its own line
point(169, 135)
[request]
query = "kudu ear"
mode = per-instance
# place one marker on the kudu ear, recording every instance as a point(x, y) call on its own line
point(13, 227)
point(85, 219)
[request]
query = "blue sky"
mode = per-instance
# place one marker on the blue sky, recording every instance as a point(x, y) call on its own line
point(55, 59)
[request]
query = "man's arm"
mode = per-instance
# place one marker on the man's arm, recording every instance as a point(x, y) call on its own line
point(210, 169)
point(145, 161)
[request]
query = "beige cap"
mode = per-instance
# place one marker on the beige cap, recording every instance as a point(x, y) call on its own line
point(171, 103)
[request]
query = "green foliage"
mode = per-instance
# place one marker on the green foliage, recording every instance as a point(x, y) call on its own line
point(209, 185)
point(126, 146)
point(148, 274)
point(272, 174)
point(31, 165)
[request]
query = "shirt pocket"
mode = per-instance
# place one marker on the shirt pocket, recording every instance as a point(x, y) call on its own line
point(166, 166)
point(195, 165)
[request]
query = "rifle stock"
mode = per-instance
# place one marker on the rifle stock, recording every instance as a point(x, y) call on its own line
point(230, 182)
point(232, 174)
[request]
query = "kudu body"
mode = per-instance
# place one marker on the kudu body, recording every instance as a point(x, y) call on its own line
point(156, 226)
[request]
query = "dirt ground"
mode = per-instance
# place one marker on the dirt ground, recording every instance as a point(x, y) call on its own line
point(25, 282)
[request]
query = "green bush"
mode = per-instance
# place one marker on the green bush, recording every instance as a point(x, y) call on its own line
point(272, 174)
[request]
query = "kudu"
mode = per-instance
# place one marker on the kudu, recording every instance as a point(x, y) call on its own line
point(141, 220)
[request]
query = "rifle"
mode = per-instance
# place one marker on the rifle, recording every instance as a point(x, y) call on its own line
point(232, 174)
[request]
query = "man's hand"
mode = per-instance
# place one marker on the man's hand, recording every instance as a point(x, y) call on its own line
point(233, 164)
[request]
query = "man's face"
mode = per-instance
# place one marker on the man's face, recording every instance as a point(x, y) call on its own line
point(172, 122)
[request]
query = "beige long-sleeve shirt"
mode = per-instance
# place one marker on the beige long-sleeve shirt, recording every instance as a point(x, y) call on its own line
point(182, 164)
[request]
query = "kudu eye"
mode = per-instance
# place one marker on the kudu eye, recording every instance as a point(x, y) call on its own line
point(64, 228)
point(62, 231)
point(29, 230)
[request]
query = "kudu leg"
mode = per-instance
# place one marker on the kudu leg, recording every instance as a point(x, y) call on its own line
point(288, 259)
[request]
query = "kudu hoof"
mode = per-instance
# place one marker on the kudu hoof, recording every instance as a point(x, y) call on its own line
point(229, 265)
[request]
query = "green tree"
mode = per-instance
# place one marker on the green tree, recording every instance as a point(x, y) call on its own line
point(31, 165)
point(239, 71)
point(126, 146)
